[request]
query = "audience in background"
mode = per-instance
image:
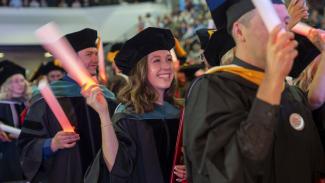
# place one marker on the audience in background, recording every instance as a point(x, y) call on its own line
point(65, 3)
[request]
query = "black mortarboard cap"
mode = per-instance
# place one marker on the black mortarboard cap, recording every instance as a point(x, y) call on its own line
point(82, 39)
point(8, 68)
point(38, 72)
point(45, 68)
point(307, 52)
point(219, 44)
point(116, 47)
point(147, 41)
point(190, 69)
point(51, 66)
point(204, 36)
point(226, 12)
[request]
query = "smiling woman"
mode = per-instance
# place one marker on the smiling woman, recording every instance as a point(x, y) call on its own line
point(147, 60)
point(160, 72)
point(140, 148)
point(151, 82)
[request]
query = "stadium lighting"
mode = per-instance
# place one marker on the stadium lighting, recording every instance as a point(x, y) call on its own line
point(47, 55)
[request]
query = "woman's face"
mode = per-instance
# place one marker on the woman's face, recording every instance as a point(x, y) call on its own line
point(17, 85)
point(160, 69)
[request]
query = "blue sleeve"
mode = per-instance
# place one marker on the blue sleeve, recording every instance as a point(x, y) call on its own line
point(47, 151)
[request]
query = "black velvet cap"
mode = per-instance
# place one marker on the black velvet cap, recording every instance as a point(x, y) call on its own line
point(219, 44)
point(51, 66)
point(204, 36)
point(45, 68)
point(116, 47)
point(226, 12)
point(82, 39)
point(8, 69)
point(147, 41)
point(190, 69)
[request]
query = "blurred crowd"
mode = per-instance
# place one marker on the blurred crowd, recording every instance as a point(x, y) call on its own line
point(64, 3)
point(136, 69)
point(185, 21)
point(317, 18)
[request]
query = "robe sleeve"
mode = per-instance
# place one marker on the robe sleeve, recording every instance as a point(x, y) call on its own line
point(127, 151)
point(125, 158)
point(220, 132)
point(32, 139)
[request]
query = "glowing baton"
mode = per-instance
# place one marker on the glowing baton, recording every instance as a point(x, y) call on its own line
point(304, 29)
point(268, 14)
point(9, 129)
point(101, 62)
point(55, 106)
point(61, 49)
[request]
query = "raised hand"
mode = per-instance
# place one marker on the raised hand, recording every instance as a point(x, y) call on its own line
point(298, 11)
point(64, 140)
point(317, 37)
point(281, 53)
point(95, 99)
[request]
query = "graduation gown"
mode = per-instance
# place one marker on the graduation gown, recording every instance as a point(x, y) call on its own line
point(146, 147)
point(66, 165)
point(230, 136)
point(319, 118)
point(10, 169)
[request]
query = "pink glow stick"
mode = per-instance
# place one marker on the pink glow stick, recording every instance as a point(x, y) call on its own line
point(268, 14)
point(55, 106)
point(101, 63)
point(61, 49)
point(304, 29)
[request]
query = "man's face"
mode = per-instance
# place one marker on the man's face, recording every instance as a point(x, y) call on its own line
point(89, 58)
point(256, 33)
point(55, 75)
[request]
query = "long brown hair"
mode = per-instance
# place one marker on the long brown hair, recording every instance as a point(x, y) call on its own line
point(307, 75)
point(139, 94)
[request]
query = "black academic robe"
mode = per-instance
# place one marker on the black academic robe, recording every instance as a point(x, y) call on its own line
point(66, 165)
point(319, 118)
point(10, 169)
point(146, 147)
point(230, 136)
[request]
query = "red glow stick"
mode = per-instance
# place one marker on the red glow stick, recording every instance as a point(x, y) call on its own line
point(55, 106)
point(101, 63)
point(61, 49)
